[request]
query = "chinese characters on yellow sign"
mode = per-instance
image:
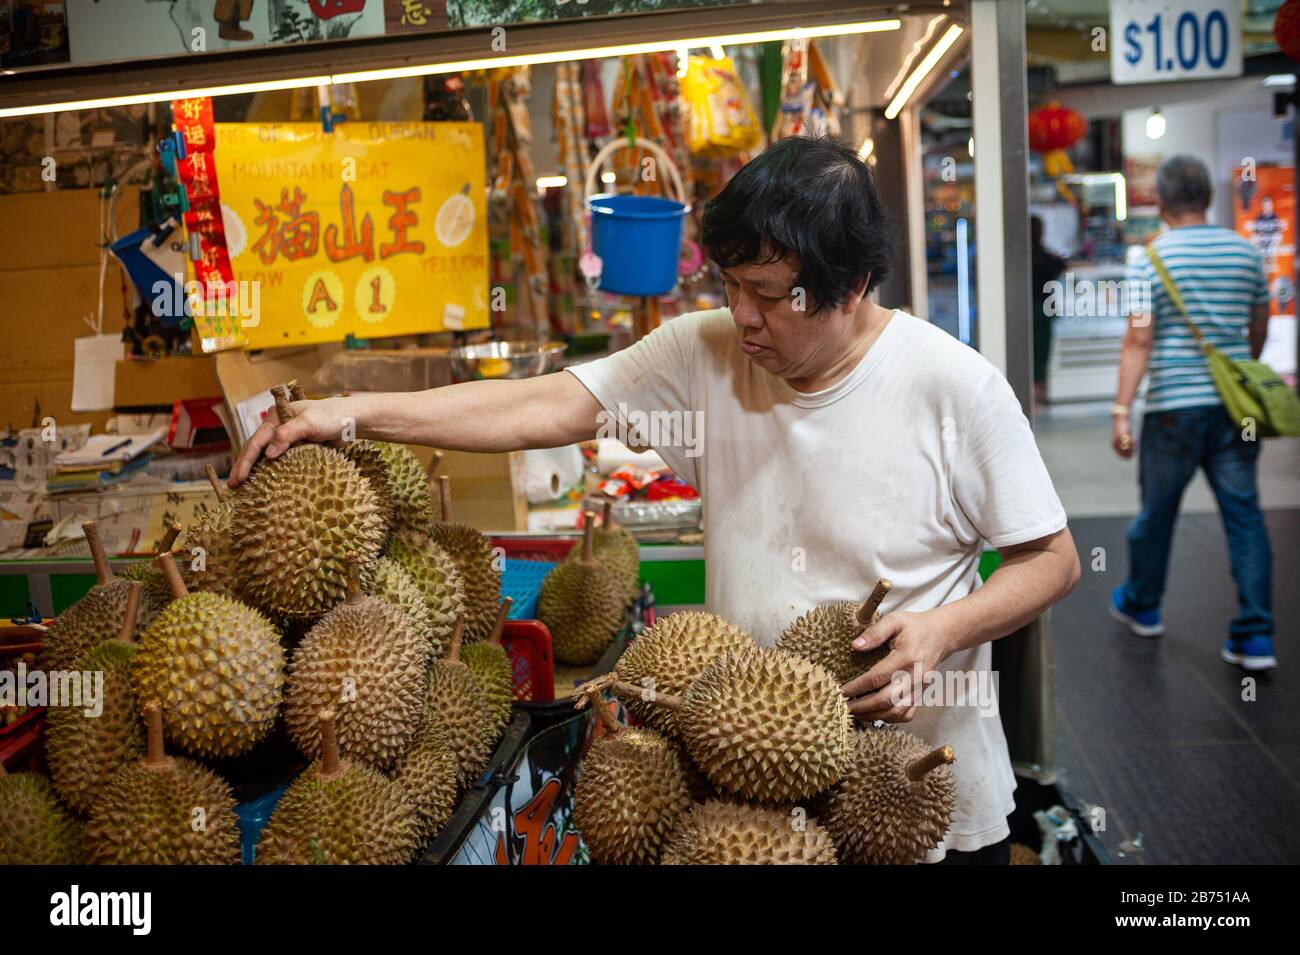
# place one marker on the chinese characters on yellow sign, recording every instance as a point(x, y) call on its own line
point(376, 229)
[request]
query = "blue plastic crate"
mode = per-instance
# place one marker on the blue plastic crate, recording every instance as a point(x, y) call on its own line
point(252, 816)
point(522, 582)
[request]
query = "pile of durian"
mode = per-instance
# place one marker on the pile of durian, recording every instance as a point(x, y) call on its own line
point(750, 756)
point(325, 596)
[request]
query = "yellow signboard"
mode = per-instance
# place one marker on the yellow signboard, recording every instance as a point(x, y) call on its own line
point(375, 229)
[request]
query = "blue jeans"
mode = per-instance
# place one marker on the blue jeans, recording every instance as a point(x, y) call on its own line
point(1173, 445)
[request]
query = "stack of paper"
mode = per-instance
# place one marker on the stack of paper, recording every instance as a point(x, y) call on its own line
point(105, 459)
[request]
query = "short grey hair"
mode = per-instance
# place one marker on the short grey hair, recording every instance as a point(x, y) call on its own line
point(1183, 185)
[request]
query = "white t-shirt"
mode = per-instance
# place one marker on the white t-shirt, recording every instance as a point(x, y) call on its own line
point(900, 470)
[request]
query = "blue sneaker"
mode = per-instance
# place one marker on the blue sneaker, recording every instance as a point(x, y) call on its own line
point(1144, 624)
point(1250, 653)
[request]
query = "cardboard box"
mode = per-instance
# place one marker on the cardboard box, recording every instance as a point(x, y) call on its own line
point(164, 381)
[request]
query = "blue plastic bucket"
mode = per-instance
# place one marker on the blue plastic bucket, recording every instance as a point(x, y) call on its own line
point(638, 239)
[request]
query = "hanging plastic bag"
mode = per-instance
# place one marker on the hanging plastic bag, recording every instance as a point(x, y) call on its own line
point(722, 120)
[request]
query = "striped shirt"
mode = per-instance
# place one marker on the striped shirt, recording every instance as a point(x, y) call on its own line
point(1221, 277)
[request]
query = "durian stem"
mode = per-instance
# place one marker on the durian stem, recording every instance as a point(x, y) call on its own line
point(215, 481)
point(867, 612)
point(167, 564)
point(435, 462)
point(153, 719)
point(457, 636)
point(127, 630)
point(917, 768)
point(607, 516)
point(605, 712)
point(330, 764)
point(3, 772)
point(502, 612)
point(444, 498)
point(102, 570)
point(354, 580)
point(588, 534)
point(592, 689)
point(295, 391)
point(173, 531)
point(282, 409)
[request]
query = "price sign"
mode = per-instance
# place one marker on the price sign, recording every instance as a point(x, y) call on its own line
point(1153, 41)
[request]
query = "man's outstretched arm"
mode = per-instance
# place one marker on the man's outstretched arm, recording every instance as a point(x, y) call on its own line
point(485, 416)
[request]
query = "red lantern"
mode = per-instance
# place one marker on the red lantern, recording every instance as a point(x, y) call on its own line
point(1286, 28)
point(1055, 127)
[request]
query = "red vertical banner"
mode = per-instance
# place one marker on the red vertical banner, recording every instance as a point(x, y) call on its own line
point(193, 120)
point(1265, 213)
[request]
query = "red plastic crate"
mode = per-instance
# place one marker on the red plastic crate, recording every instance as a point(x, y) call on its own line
point(528, 644)
point(535, 548)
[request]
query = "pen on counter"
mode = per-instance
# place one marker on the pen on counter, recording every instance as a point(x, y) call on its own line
point(117, 447)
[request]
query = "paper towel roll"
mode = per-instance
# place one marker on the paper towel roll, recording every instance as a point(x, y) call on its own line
point(542, 485)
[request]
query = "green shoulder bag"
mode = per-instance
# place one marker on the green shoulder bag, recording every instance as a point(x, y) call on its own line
point(1249, 389)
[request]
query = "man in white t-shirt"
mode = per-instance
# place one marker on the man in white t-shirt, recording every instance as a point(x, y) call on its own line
point(834, 442)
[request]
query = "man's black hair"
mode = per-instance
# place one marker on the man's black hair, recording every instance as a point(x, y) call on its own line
point(1183, 185)
point(810, 198)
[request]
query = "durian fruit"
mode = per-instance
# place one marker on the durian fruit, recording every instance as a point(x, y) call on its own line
point(34, 828)
point(157, 593)
point(435, 574)
point(296, 521)
point(217, 667)
point(489, 664)
point(398, 480)
point(825, 635)
point(455, 696)
point(1022, 854)
point(94, 618)
point(630, 793)
point(367, 662)
point(475, 562)
point(427, 772)
point(163, 810)
point(339, 813)
point(208, 563)
point(617, 549)
point(581, 603)
point(896, 802)
point(83, 752)
point(669, 656)
point(389, 581)
point(719, 833)
point(763, 725)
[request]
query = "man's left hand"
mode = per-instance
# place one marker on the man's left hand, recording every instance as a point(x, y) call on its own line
point(916, 647)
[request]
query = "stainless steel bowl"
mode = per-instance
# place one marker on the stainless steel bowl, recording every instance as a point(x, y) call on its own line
point(507, 359)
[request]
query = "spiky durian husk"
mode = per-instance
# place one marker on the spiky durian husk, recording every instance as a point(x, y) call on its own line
point(34, 828)
point(434, 572)
point(457, 699)
point(630, 793)
point(427, 772)
point(876, 814)
point(297, 522)
point(365, 661)
point(392, 583)
point(582, 605)
point(219, 572)
point(617, 550)
point(368, 458)
point(409, 487)
point(145, 815)
point(155, 591)
point(83, 752)
point(489, 664)
point(670, 655)
point(480, 578)
point(217, 667)
point(825, 636)
point(697, 784)
point(718, 833)
point(90, 621)
point(356, 818)
point(768, 726)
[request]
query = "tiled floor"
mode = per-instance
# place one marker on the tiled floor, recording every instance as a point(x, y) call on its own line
point(1157, 732)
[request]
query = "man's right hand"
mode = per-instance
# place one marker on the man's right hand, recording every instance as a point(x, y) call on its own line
point(316, 421)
